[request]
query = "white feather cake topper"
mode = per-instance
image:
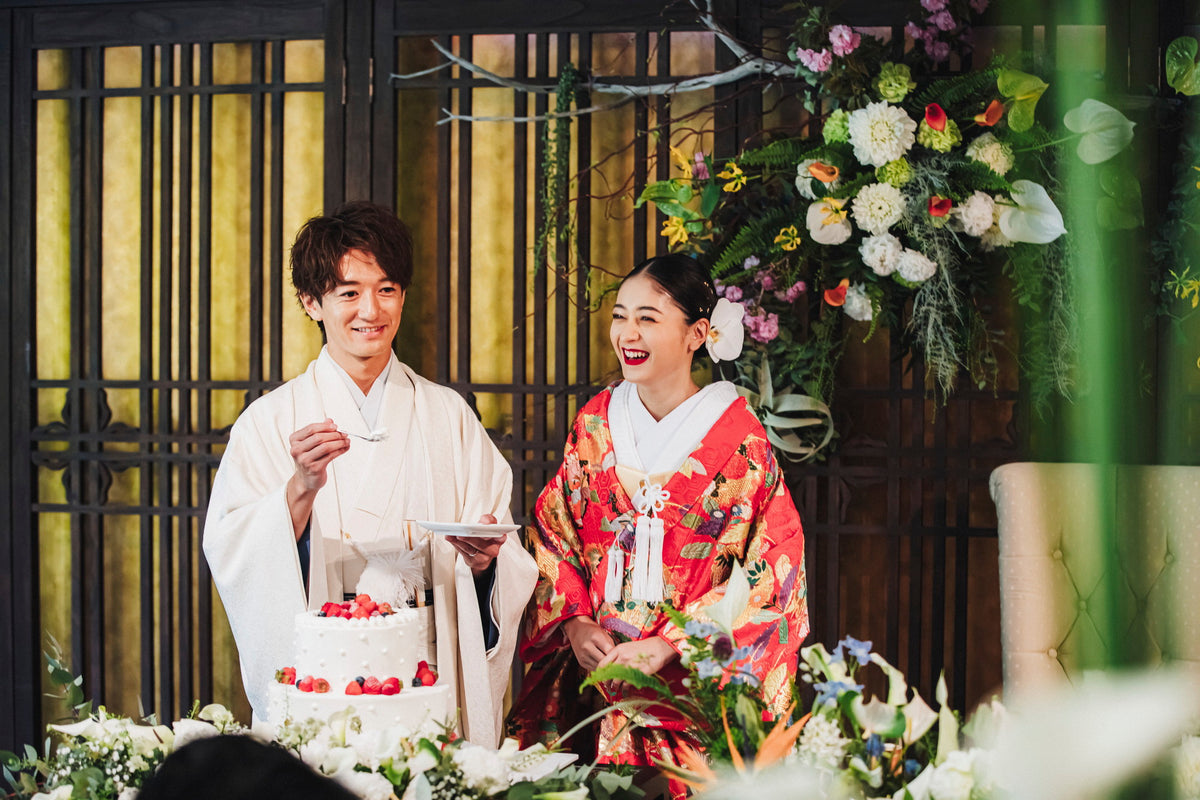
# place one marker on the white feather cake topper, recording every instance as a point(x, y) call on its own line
point(392, 576)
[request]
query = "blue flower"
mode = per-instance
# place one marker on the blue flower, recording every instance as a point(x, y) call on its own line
point(699, 630)
point(861, 651)
point(829, 691)
point(874, 745)
point(745, 677)
point(707, 668)
point(911, 767)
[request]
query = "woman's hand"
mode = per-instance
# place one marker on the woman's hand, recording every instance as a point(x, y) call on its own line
point(589, 641)
point(649, 655)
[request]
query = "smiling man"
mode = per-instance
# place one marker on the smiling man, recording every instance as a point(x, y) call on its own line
point(322, 475)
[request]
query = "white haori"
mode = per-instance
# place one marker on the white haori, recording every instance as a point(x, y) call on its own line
point(437, 463)
point(648, 453)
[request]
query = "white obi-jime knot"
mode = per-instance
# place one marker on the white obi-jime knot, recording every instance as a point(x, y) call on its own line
point(647, 579)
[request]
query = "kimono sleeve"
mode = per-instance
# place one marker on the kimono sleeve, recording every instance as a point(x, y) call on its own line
point(563, 586)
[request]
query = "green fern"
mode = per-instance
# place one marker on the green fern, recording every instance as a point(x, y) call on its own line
point(950, 92)
point(965, 177)
point(780, 154)
point(756, 237)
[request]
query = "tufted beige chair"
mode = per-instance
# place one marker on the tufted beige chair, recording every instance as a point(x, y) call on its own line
point(1054, 578)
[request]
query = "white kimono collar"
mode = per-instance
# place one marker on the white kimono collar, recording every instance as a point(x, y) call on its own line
point(657, 446)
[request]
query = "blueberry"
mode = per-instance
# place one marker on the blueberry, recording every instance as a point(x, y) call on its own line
point(417, 682)
point(361, 680)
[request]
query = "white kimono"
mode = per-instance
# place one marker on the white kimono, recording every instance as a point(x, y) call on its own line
point(437, 464)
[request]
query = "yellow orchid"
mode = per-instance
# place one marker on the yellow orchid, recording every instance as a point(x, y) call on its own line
point(835, 211)
point(685, 166)
point(788, 238)
point(675, 231)
point(734, 175)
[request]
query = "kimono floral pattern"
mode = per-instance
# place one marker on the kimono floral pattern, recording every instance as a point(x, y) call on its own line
point(728, 502)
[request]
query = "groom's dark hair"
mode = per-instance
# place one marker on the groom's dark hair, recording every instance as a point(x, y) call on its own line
point(359, 225)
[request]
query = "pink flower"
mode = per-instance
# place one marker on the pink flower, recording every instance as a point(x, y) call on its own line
point(763, 328)
point(844, 40)
point(939, 52)
point(733, 293)
point(979, 6)
point(700, 171)
point(767, 280)
point(815, 61)
point(913, 30)
point(933, 6)
point(792, 293)
point(943, 20)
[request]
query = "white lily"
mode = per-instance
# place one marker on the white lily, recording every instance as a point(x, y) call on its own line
point(1105, 130)
point(918, 718)
point(877, 717)
point(1034, 218)
point(726, 331)
point(190, 730)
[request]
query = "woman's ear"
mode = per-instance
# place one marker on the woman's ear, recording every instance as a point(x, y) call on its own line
point(698, 335)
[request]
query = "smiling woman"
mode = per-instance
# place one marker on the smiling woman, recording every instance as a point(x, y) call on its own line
point(664, 486)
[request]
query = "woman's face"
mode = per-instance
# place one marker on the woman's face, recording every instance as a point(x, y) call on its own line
point(650, 334)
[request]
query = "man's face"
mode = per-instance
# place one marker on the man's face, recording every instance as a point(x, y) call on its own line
point(361, 314)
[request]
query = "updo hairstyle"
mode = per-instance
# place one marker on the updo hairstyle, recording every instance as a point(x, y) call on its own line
point(684, 280)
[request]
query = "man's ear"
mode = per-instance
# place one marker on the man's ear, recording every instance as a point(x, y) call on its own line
point(312, 306)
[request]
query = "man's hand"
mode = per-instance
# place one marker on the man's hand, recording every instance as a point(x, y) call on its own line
point(589, 641)
point(312, 448)
point(648, 655)
point(478, 552)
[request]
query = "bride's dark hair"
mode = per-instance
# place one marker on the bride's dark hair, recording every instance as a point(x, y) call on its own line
point(684, 280)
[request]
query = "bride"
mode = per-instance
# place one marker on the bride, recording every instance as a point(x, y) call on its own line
point(663, 486)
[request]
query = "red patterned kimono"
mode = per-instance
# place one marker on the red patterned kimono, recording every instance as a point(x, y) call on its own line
point(727, 502)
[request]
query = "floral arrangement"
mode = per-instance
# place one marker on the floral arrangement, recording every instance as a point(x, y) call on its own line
point(917, 195)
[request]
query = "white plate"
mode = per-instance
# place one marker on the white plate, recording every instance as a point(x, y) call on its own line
point(478, 529)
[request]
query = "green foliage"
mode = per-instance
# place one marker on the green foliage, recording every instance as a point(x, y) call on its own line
point(556, 169)
point(755, 236)
point(1182, 73)
point(781, 154)
point(951, 92)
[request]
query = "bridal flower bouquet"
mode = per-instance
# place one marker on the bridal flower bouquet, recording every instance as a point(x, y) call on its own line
point(916, 195)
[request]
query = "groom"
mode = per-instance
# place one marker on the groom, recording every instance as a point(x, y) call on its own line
point(327, 469)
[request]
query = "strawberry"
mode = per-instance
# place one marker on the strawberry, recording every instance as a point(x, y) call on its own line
point(428, 678)
point(391, 686)
point(287, 676)
point(384, 609)
point(422, 666)
point(305, 684)
point(372, 686)
point(331, 610)
point(353, 688)
point(362, 599)
point(320, 685)
point(360, 612)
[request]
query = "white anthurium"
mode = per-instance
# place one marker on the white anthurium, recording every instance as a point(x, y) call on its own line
point(918, 787)
point(1084, 741)
point(873, 777)
point(726, 611)
point(919, 718)
point(1034, 218)
point(947, 723)
point(877, 717)
point(1105, 130)
point(338, 759)
point(190, 730)
point(897, 685)
point(726, 331)
point(817, 657)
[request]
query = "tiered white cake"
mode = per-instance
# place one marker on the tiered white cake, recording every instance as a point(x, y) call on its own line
point(368, 663)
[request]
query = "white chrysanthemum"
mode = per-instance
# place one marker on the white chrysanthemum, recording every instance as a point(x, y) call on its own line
point(989, 150)
point(954, 778)
point(367, 785)
point(858, 304)
point(1187, 769)
point(881, 133)
point(976, 213)
point(821, 742)
point(881, 253)
point(827, 223)
point(482, 769)
point(877, 207)
point(915, 267)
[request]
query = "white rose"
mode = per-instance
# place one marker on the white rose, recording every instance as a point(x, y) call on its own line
point(881, 253)
point(858, 304)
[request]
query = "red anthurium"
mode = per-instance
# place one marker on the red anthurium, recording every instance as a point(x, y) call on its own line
point(939, 206)
point(991, 115)
point(935, 117)
point(837, 297)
